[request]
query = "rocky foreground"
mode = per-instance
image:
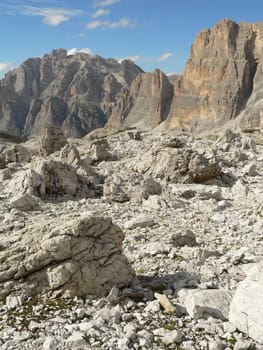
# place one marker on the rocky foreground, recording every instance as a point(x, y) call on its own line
point(137, 241)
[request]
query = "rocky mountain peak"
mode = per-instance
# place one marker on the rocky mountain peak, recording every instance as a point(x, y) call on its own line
point(221, 82)
point(145, 105)
point(72, 91)
point(219, 75)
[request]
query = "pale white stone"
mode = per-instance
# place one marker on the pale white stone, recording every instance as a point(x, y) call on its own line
point(139, 221)
point(14, 301)
point(50, 343)
point(200, 303)
point(246, 309)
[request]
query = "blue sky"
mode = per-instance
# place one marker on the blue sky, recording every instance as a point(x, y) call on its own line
point(153, 33)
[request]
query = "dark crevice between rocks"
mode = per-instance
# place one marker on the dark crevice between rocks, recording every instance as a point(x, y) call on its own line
point(250, 70)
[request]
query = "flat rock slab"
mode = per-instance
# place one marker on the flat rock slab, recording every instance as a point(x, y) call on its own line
point(202, 303)
point(139, 221)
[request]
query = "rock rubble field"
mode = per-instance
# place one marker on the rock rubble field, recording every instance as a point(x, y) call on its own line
point(135, 241)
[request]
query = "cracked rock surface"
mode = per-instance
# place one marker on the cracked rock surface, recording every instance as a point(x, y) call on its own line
point(75, 257)
point(81, 271)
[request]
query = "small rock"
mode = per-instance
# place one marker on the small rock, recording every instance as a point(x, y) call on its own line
point(139, 221)
point(165, 303)
point(183, 238)
point(145, 338)
point(153, 307)
point(13, 301)
point(50, 343)
point(168, 337)
point(25, 202)
point(216, 345)
point(76, 340)
point(113, 295)
point(244, 345)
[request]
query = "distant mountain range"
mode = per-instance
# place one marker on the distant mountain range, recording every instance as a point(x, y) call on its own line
point(76, 92)
point(222, 85)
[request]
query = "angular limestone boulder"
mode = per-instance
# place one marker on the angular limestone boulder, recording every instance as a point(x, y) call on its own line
point(51, 177)
point(100, 151)
point(203, 167)
point(17, 154)
point(69, 154)
point(51, 140)
point(72, 256)
point(246, 308)
point(203, 303)
point(130, 186)
point(190, 164)
point(25, 202)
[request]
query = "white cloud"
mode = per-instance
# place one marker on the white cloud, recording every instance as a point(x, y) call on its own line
point(100, 12)
point(104, 3)
point(5, 67)
point(169, 74)
point(131, 58)
point(95, 24)
point(51, 16)
point(165, 56)
point(74, 51)
point(122, 23)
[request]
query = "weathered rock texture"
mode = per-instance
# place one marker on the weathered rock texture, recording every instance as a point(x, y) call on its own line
point(51, 177)
point(51, 140)
point(145, 105)
point(75, 92)
point(75, 257)
point(222, 82)
point(193, 243)
point(132, 186)
point(246, 308)
point(188, 164)
point(17, 154)
point(219, 77)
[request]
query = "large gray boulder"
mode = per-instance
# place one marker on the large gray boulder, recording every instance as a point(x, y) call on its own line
point(194, 163)
point(52, 139)
point(51, 177)
point(72, 256)
point(18, 154)
point(246, 309)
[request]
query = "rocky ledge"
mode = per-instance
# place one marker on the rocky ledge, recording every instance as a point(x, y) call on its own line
point(137, 241)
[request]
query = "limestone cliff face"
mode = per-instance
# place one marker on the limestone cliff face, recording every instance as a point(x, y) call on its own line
point(220, 77)
point(75, 92)
point(145, 105)
point(222, 83)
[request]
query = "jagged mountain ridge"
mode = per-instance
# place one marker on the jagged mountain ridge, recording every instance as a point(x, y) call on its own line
point(222, 82)
point(75, 92)
point(145, 105)
point(221, 85)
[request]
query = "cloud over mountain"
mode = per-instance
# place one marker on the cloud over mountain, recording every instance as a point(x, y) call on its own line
point(74, 51)
point(122, 23)
point(5, 66)
point(165, 56)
